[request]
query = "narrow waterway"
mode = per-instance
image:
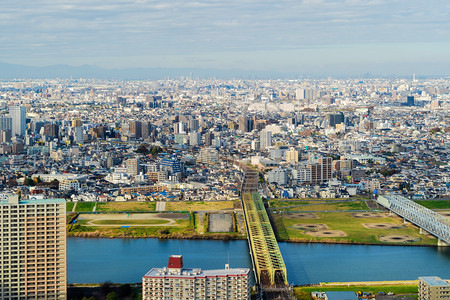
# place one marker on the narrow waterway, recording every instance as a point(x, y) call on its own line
point(127, 260)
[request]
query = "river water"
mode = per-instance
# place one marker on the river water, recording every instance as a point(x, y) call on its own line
point(127, 260)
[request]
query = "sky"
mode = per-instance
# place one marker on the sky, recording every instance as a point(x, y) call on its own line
point(301, 36)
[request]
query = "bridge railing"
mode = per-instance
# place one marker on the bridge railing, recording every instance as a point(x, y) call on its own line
point(269, 263)
point(423, 217)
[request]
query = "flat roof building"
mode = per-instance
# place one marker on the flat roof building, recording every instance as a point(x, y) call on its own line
point(175, 282)
point(433, 288)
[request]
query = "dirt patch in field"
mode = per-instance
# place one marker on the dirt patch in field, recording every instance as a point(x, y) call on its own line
point(445, 213)
point(310, 227)
point(381, 225)
point(398, 239)
point(173, 216)
point(367, 215)
point(327, 233)
point(123, 218)
point(300, 215)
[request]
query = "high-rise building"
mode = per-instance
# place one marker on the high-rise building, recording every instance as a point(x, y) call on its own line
point(322, 170)
point(410, 101)
point(51, 130)
point(333, 119)
point(136, 129)
point(209, 136)
point(305, 94)
point(146, 130)
point(265, 139)
point(33, 243)
point(5, 123)
point(175, 282)
point(195, 138)
point(194, 125)
point(245, 124)
point(18, 115)
point(76, 123)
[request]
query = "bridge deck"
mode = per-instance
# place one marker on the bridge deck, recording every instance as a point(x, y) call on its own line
point(423, 217)
point(269, 264)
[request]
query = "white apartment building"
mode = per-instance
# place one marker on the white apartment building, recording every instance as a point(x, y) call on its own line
point(175, 282)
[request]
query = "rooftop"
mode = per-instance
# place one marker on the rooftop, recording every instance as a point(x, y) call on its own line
point(196, 273)
point(434, 281)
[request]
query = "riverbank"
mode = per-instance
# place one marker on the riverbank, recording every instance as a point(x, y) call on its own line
point(174, 236)
point(396, 288)
point(225, 237)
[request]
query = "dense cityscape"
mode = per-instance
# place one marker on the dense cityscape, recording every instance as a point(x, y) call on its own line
point(191, 158)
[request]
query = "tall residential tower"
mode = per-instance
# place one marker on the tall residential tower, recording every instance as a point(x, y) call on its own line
point(33, 245)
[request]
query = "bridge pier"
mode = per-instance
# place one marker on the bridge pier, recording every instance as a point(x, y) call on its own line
point(441, 243)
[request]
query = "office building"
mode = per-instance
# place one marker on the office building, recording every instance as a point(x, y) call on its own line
point(176, 282)
point(245, 124)
point(333, 119)
point(195, 138)
point(5, 123)
point(194, 125)
point(18, 116)
point(76, 123)
point(433, 288)
point(146, 130)
point(33, 243)
point(410, 101)
point(265, 139)
point(51, 130)
point(305, 94)
point(136, 129)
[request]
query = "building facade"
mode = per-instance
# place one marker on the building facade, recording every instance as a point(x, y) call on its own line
point(433, 288)
point(18, 115)
point(175, 282)
point(33, 243)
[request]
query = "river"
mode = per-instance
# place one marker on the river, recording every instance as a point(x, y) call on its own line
point(127, 260)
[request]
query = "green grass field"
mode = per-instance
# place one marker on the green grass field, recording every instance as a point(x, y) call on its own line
point(352, 226)
point(304, 293)
point(436, 204)
point(130, 222)
point(321, 206)
point(69, 206)
point(125, 206)
point(181, 228)
point(84, 206)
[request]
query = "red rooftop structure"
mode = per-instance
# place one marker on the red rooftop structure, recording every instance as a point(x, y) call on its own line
point(175, 262)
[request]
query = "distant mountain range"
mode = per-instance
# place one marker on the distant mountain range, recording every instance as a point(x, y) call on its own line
point(14, 71)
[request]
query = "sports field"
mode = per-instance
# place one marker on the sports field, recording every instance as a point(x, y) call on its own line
point(140, 220)
point(200, 206)
point(347, 227)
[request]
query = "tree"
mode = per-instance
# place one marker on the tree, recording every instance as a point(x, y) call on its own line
point(142, 149)
point(106, 287)
point(112, 296)
point(124, 290)
point(29, 182)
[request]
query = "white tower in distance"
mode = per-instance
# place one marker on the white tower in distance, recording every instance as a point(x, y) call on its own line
point(18, 115)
